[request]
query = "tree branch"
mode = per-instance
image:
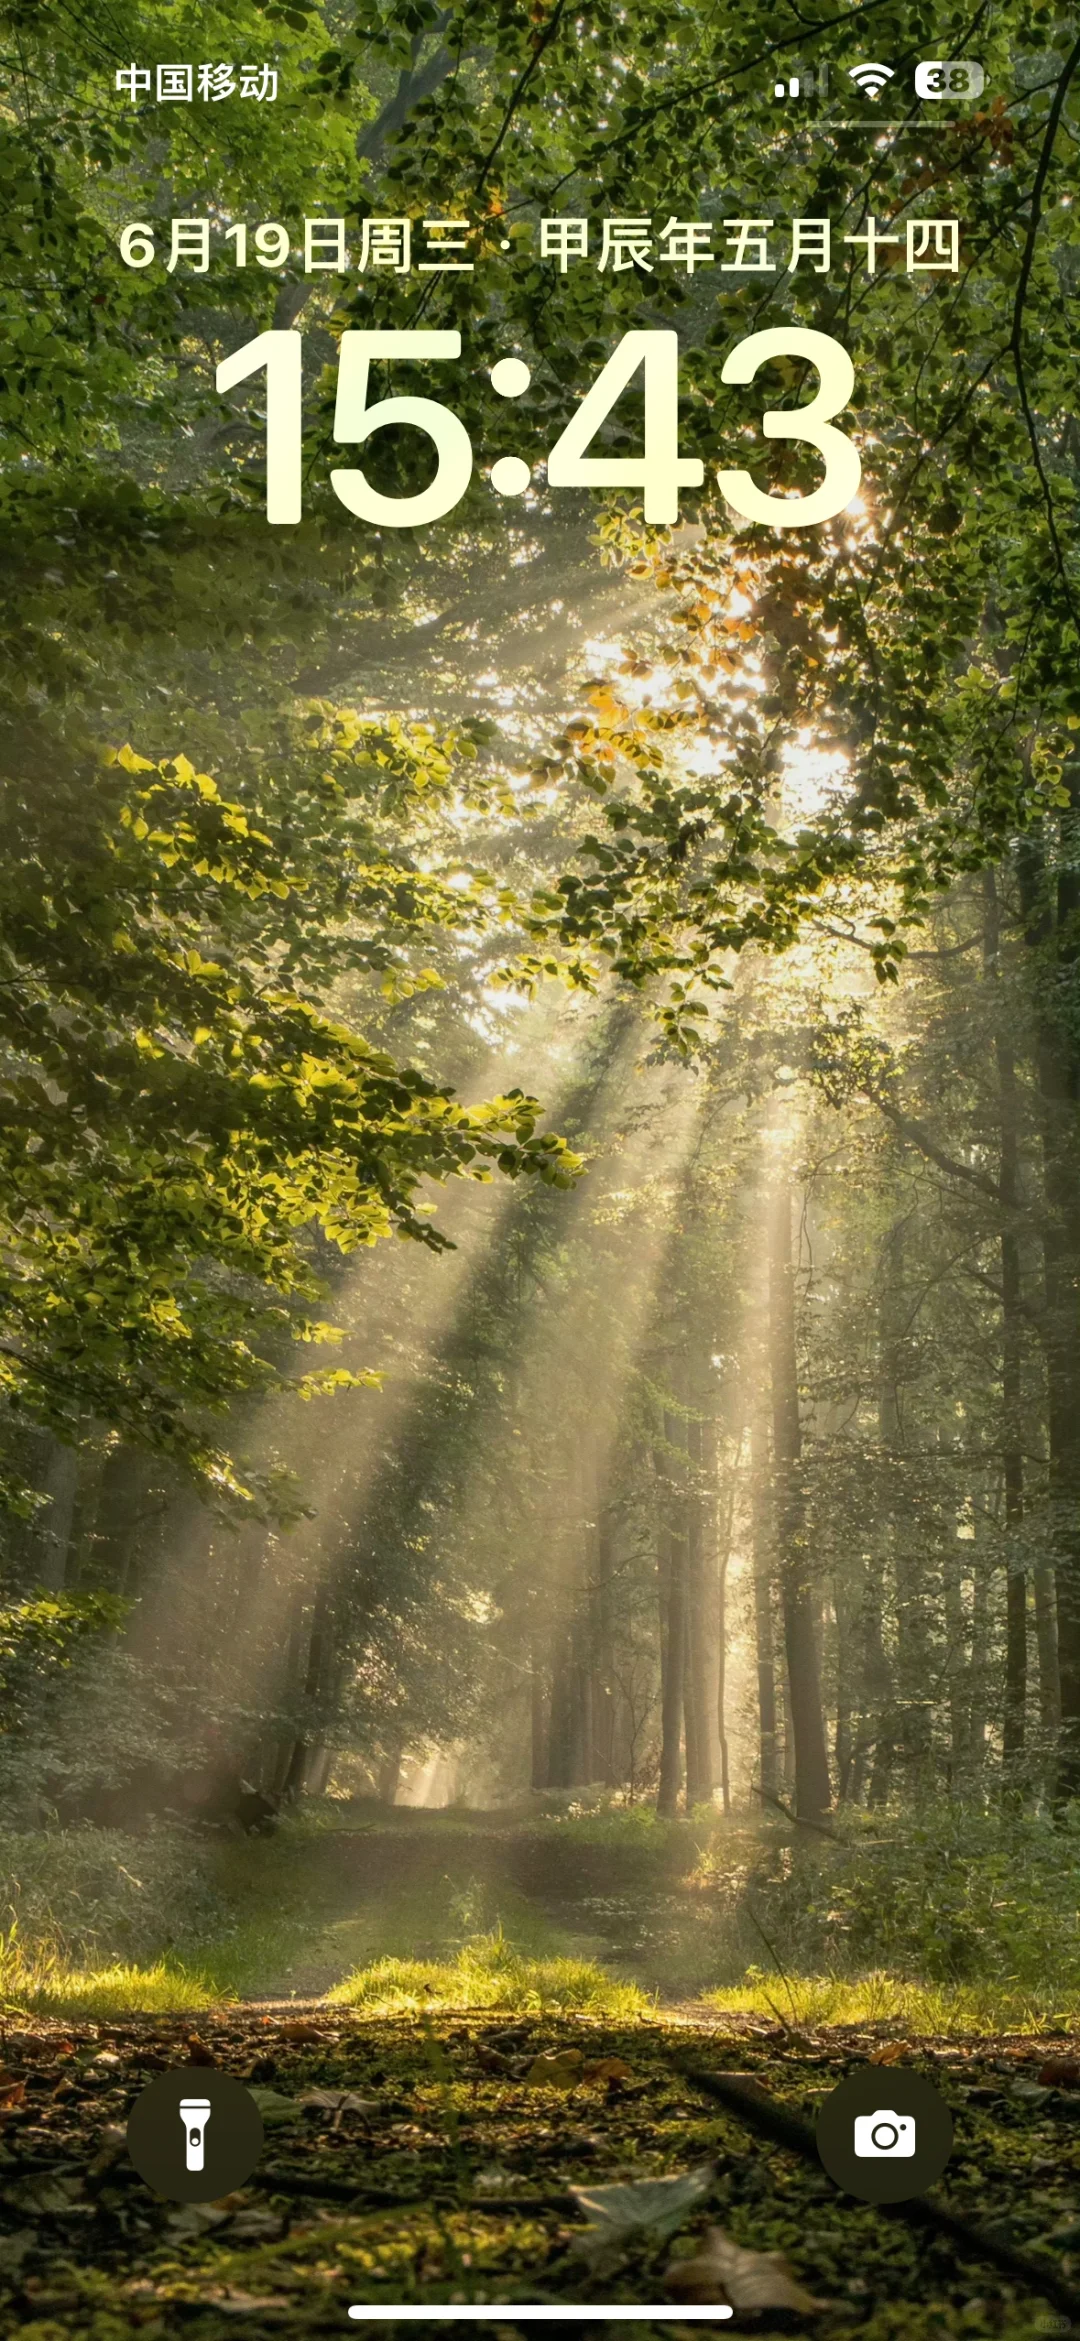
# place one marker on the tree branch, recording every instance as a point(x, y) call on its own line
point(1072, 62)
point(415, 82)
point(543, 42)
point(912, 1130)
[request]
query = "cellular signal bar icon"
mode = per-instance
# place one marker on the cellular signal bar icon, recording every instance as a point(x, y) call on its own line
point(871, 79)
point(803, 84)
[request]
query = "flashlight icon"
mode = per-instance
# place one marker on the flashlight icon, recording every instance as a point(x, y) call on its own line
point(194, 2113)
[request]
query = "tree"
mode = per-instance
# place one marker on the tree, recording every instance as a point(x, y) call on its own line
point(236, 884)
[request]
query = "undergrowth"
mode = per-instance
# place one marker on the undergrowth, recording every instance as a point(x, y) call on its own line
point(952, 1920)
point(956, 1910)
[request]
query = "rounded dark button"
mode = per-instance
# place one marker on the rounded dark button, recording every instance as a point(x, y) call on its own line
point(884, 2134)
point(194, 2134)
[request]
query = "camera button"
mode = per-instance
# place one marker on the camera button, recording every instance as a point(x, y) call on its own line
point(884, 2135)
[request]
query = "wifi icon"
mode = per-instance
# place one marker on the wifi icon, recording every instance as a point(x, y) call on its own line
point(871, 79)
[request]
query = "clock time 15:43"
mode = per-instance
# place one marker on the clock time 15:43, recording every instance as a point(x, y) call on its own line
point(658, 472)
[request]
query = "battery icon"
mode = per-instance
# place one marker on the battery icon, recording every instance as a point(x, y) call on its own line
point(949, 77)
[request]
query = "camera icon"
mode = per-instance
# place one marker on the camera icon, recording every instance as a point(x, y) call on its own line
point(884, 2136)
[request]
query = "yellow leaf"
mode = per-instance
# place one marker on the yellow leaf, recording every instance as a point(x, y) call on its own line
point(892, 2052)
point(607, 2069)
point(556, 2069)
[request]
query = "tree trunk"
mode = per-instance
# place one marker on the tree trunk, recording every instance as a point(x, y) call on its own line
point(314, 1683)
point(292, 1678)
point(875, 1743)
point(59, 1483)
point(560, 1755)
point(319, 1769)
point(581, 1719)
point(812, 1790)
point(388, 1779)
point(978, 1704)
point(958, 1680)
point(1046, 1645)
point(1050, 917)
point(844, 1743)
point(672, 1642)
point(908, 1724)
point(699, 1772)
point(603, 1765)
point(761, 1527)
point(724, 1533)
point(1012, 1423)
point(538, 1722)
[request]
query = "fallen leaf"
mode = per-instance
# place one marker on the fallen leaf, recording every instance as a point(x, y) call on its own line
point(260, 2069)
point(235, 2303)
point(14, 2248)
point(12, 2095)
point(198, 2053)
point(558, 2068)
point(195, 2219)
point(32, 2044)
point(275, 2108)
point(1060, 2073)
point(891, 2053)
point(656, 2205)
point(300, 2028)
point(111, 2145)
point(494, 2180)
point(607, 2069)
point(339, 2102)
point(47, 2195)
point(490, 2061)
point(256, 2226)
point(724, 2271)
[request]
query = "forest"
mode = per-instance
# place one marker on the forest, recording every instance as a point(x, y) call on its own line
point(539, 1114)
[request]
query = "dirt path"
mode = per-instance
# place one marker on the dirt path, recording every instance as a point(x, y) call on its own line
point(453, 2178)
point(415, 1885)
point(411, 1888)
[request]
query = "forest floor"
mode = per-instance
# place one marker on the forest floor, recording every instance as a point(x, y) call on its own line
point(425, 2159)
point(418, 1965)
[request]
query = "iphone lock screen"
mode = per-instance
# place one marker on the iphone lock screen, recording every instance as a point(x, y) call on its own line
point(539, 1168)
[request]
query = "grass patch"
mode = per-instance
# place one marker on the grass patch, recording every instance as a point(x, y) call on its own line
point(491, 1973)
point(43, 1985)
point(807, 2002)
